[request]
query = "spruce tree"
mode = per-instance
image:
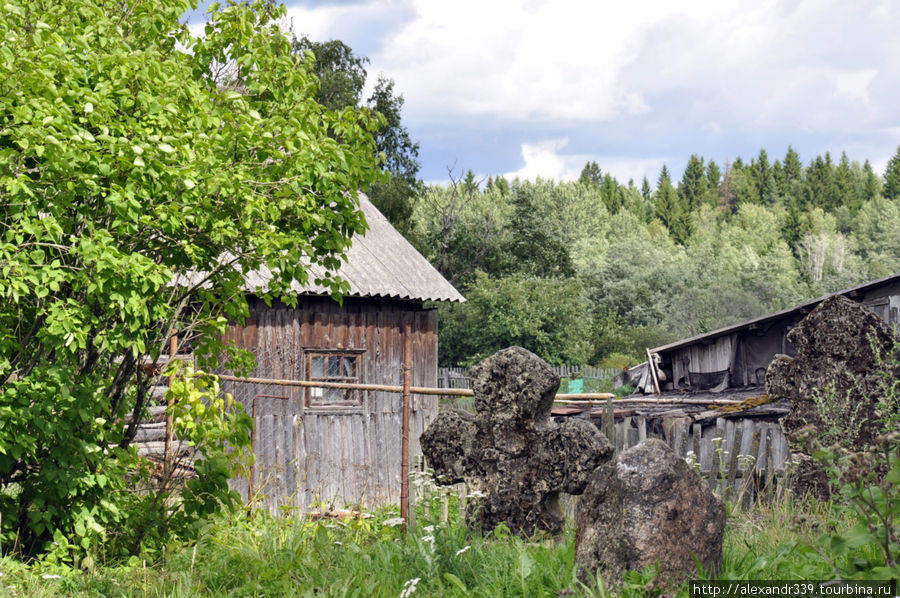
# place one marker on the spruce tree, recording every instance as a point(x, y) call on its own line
point(591, 175)
point(609, 192)
point(713, 175)
point(693, 183)
point(892, 177)
point(646, 192)
point(871, 184)
point(670, 209)
point(844, 189)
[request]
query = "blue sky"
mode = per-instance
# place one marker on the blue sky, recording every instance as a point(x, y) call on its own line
point(538, 87)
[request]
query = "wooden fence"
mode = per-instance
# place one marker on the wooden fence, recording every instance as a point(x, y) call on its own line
point(740, 457)
point(459, 377)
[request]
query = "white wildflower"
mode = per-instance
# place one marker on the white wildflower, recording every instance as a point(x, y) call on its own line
point(463, 550)
point(394, 522)
point(475, 494)
point(428, 538)
point(336, 543)
point(428, 529)
point(50, 576)
point(409, 587)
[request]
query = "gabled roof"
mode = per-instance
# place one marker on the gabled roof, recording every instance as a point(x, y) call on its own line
point(805, 306)
point(381, 263)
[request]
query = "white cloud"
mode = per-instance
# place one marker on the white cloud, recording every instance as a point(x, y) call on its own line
point(722, 77)
point(854, 85)
point(543, 160)
point(546, 159)
point(579, 61)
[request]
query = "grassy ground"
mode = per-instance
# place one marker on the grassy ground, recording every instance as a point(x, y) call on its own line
point(292, 556)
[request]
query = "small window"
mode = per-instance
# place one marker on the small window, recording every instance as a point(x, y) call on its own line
point(332, 366)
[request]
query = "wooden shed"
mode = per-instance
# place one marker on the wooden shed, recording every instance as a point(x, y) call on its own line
point(737, 356)
point(317, 445)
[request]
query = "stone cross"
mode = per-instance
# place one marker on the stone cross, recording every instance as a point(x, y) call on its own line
point(511, 450)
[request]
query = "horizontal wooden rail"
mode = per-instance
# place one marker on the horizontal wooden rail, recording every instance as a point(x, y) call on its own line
point(650, 401)
point(419, 390)
point(574, 398)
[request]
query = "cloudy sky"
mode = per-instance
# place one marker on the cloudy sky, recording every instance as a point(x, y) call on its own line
point(538, 87)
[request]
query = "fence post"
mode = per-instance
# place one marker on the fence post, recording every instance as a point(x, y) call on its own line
point(404, 440)
point(169, 460)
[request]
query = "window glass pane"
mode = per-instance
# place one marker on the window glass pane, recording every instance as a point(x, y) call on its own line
point(318, 366)
point(349, 366)
point(334, 366)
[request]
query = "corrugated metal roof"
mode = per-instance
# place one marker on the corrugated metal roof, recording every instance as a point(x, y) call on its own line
point(762, 319)
point(381, 263)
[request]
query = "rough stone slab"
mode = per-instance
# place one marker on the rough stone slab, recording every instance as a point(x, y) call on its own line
point(648, 507)
point(834, 384)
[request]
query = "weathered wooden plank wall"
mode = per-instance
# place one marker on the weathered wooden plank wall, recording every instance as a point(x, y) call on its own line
point(340, 454)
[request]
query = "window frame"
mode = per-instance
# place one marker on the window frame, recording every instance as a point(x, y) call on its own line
point(352, 398)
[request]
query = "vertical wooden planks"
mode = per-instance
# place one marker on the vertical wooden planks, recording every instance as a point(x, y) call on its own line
point(696, 440)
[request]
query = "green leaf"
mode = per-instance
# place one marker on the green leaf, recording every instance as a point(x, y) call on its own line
point(457, 582)
point(165, 147)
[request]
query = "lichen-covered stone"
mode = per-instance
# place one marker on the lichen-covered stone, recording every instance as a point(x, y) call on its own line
point(835, 380)
point(511, 450)
point(808, 478)
point(648, 507)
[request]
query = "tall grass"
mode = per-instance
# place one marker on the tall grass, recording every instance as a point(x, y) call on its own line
point(293, 555)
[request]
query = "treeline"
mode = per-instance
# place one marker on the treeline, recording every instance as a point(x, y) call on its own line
point(596, 270)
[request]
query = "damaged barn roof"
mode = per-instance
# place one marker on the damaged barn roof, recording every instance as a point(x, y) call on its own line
point(380, 263)
point(806, 306)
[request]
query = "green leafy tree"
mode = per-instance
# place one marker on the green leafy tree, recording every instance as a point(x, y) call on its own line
point(536, 244)
point(632, 283)
point(892, 177)
point(549, 316)
point(341, 73)
point(876, 233)
point(461, 232)
point(342, 77)
point(143, 172)
point(400, 158)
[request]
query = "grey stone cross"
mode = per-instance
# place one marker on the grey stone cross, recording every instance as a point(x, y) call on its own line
point(511, 450)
